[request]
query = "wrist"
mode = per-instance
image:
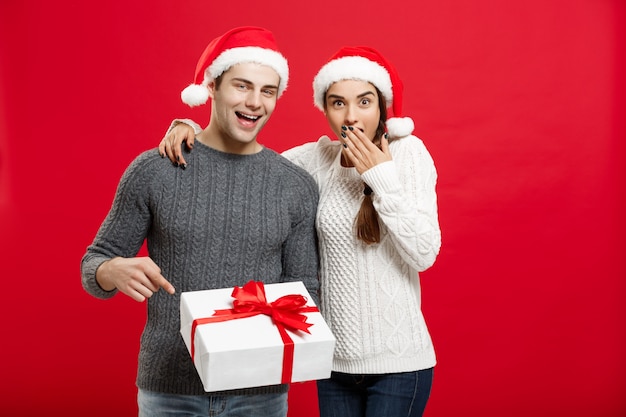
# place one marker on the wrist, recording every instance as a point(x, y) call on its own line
point(102, 276)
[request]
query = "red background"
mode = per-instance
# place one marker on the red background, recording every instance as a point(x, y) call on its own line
point(520, 103)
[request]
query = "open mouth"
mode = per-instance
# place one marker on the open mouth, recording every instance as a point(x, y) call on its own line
point(247, 117)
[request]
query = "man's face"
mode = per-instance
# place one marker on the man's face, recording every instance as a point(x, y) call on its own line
point(243, 103)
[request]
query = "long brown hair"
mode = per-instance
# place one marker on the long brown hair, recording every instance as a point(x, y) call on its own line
point(366, 223)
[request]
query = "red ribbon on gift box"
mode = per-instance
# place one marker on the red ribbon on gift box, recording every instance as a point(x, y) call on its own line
point(286, 313)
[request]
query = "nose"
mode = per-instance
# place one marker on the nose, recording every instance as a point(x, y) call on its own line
point(350, 116)
point(253, 99)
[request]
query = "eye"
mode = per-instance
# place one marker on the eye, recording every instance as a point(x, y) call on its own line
point(365, 102)
point(269, 92)
point(337, 104)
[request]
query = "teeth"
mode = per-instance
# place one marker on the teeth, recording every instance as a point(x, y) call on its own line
point(245, 116)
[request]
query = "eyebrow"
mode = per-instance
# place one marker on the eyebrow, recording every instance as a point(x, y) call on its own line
point(367, 93)
point(243, 80)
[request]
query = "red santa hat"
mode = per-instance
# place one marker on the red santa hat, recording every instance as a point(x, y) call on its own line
point(238, 45)
point(365, 64)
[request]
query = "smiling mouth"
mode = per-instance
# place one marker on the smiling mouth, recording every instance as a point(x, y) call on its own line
point(247, 117)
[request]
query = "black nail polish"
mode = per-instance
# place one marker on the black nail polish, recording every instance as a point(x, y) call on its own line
point(183, 166)
point(178, 158)
point(350, 127)
point(175, 164)
point(343, 127)
point(343, 135)
point(344, 145)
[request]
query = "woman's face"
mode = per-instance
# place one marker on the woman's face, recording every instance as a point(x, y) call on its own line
point(352, 103)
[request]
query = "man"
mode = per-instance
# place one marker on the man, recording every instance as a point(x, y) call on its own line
point(238, 212)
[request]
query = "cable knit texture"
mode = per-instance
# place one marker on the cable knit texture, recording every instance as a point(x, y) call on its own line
point(223, 221)
point(370, 294)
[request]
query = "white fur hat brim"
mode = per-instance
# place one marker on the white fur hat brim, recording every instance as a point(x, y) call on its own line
point(351, 68)
point(198, 94)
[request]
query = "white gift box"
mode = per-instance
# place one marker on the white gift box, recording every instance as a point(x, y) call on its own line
point(249, 352)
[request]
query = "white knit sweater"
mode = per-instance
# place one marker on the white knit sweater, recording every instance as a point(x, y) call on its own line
point(370, 294)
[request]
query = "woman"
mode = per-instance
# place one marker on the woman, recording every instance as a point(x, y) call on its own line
point(378, 227)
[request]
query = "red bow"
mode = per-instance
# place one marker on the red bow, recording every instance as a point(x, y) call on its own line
point(286, 313)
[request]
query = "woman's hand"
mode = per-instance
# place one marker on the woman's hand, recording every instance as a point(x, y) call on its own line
point(361, 151)
point(172, 144)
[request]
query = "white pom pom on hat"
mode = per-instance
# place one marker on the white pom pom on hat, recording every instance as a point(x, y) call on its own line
point(366, 64)
point(238, 45)
point(398, 127)
point(195, 95)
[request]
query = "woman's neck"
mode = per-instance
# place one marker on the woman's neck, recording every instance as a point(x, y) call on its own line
point(345, 162)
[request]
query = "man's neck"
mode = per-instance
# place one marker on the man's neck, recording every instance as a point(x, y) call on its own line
point(218, 141)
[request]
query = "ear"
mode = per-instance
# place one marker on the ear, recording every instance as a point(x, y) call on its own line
point(211, 88)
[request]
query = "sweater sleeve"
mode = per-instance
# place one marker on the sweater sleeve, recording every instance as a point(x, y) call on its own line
point(301, 155)
point(406, 201)
point(314, 157)
point(300, 255)
point(124, 229)
point(195, 126)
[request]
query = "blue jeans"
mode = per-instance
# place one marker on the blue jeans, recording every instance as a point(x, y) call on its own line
point(389, 395)
point(156, 404)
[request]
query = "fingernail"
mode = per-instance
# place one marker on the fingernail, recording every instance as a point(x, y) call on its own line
point(178, 158)
point(183, 166)
point(343, 127)
point(175, 164)
point(350, 127)
point(344, 145)
point(343, 135)
point(161, 155)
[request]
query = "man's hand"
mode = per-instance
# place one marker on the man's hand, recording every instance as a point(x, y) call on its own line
point(138, 278)
point(172, 144)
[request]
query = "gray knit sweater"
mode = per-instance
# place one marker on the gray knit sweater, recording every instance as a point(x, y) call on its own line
point(223, 221)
